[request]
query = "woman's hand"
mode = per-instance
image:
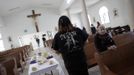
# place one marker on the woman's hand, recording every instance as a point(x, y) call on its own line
point(57, 52)
point(112, 47)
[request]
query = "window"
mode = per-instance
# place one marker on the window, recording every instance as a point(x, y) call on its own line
point(1, 44)
point(103, 12)
point(68, 1)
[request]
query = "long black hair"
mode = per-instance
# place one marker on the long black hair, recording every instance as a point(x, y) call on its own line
point(65, 24)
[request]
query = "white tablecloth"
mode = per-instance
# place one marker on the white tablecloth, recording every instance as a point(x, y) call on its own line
point(42, 69)
point(46, 67)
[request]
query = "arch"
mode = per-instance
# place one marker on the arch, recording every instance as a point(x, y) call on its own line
point(104, 16)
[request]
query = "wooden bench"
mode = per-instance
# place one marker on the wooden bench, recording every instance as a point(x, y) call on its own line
point(15, 54)
point(119, 30)
point(20, 54)
point(90, 49)
point(117, 62)
point(123, 38)
point(8, 67)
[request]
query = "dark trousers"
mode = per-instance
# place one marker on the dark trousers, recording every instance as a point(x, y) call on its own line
point(76, 64)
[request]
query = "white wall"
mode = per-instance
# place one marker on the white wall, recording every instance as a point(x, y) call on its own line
point(1, 22)
point(127, 11)
point(1, 28)
point(123, 7)
point(16, 23)
point(75, 18)
point(132, 6)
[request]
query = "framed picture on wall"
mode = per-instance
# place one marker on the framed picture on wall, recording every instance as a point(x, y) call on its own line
point(115, 12)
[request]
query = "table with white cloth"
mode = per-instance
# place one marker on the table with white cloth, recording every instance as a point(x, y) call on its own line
point(49, 65)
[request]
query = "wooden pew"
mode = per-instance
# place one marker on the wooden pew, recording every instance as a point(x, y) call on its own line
point(20, 54)
point(15, 54)
point(119, 30)
point(117, 62)
point(90, 49)
point(8, 67)
point(126, 28)
point(90, 39)
point(123, 39)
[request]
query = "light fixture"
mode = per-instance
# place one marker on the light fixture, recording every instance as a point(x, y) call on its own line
point(68, 1)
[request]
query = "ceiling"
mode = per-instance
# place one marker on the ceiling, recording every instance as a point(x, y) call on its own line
point(76, 6)
point(10, 6)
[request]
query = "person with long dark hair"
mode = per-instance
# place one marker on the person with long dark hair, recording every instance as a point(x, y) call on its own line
point(69, 41)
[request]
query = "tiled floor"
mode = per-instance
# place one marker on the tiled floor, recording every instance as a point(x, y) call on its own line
point(92, 71)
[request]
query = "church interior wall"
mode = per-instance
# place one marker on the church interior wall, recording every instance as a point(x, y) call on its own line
point(75, 18)
point(124, 12)
point(1, 21)
point(132, 5)
point(84, 23)
point(127, 10)
point(18, 24)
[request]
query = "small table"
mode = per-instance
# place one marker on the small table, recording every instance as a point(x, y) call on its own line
point(43, 68)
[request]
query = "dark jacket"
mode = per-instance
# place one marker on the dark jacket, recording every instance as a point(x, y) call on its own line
point(93, 30)
point(70, 45)
point(102, 42)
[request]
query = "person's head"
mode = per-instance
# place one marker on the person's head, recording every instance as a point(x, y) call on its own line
point(65, 24)
point(101, 30)
point(92, 25)
point(84, 28)
point(43, 35)
point(98, 24)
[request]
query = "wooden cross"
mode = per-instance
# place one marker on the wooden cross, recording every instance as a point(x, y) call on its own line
point(34, 16)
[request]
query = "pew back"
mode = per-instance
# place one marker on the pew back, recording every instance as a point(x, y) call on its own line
point(120, 60)
point(8, 67)
point(19, 54)
point(123, 39)
point(89, 50)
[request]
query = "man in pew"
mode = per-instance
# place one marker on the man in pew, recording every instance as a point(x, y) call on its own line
point(102, 40)
point(117, 62)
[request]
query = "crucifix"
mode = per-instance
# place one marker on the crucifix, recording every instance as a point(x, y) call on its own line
point(34, 16)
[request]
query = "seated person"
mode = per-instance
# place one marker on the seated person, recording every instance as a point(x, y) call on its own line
point(44, 40)
point(102, 40)
point(93, 29)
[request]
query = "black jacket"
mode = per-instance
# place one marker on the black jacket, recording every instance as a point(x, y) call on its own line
point(102, 42)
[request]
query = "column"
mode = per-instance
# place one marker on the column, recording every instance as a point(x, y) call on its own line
point(85, 16)
point(68, 13)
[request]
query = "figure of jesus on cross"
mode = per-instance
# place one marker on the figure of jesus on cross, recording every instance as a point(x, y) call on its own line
point(34, 16)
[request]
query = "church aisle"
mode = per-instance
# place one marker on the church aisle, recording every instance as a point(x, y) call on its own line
point(92, 71)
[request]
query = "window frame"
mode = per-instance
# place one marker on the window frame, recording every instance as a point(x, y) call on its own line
point(104, 12)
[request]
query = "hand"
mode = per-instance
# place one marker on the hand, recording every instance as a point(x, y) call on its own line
point(109, 48)
point(56, 52)
point(112, 47)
